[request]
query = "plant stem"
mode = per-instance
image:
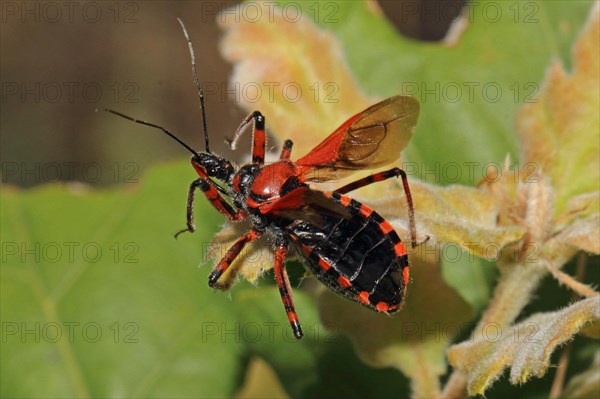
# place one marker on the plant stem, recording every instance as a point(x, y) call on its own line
point(456, 386)
point(425, 383)
point(563, 363)
point(511, 295)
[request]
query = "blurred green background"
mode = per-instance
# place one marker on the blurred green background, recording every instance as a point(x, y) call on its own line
point(138, 320)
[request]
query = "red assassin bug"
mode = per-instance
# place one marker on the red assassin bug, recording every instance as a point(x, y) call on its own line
point(347, 245)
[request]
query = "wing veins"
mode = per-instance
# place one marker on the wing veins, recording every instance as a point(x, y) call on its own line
point(350, 242)
point(329, 235)
point(363, 262)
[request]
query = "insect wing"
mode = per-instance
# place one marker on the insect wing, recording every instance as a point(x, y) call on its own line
point(369, 139)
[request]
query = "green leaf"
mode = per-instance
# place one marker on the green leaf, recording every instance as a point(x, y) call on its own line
point(565, 116)
point(473, 278)
point(306, 367)
point(415, 340)
point(269, 335)
point(503, 61)
point(525, 347)
point(469, 90)
point(132, 320)
point(502, 58)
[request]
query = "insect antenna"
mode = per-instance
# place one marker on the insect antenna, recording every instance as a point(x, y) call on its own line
point(197, 82)
point(141, 122)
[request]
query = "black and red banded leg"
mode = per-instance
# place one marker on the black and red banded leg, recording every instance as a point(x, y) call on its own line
point(258, 136)
point(230, 256)
point(377, 177)
point(212, 194)
point(285, 290)
point(374, 178)
point(286, 150)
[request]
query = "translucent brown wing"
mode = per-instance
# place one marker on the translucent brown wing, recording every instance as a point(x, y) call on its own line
point(371, 138)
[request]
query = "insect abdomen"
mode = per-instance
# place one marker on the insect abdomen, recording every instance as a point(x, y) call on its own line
point(361, 257)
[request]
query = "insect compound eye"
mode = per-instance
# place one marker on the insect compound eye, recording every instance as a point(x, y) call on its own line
point(223, 170)
point(198, 166)
point(213, 166)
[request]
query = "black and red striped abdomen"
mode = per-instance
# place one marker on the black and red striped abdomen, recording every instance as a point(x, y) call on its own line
point(360, 257)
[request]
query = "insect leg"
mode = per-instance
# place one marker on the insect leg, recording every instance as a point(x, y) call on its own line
point(374, 178)
point(285, 290)
point(215, 199)
point(286, 150)
point(230, 256)
point(395, 172)
point(259, 136)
